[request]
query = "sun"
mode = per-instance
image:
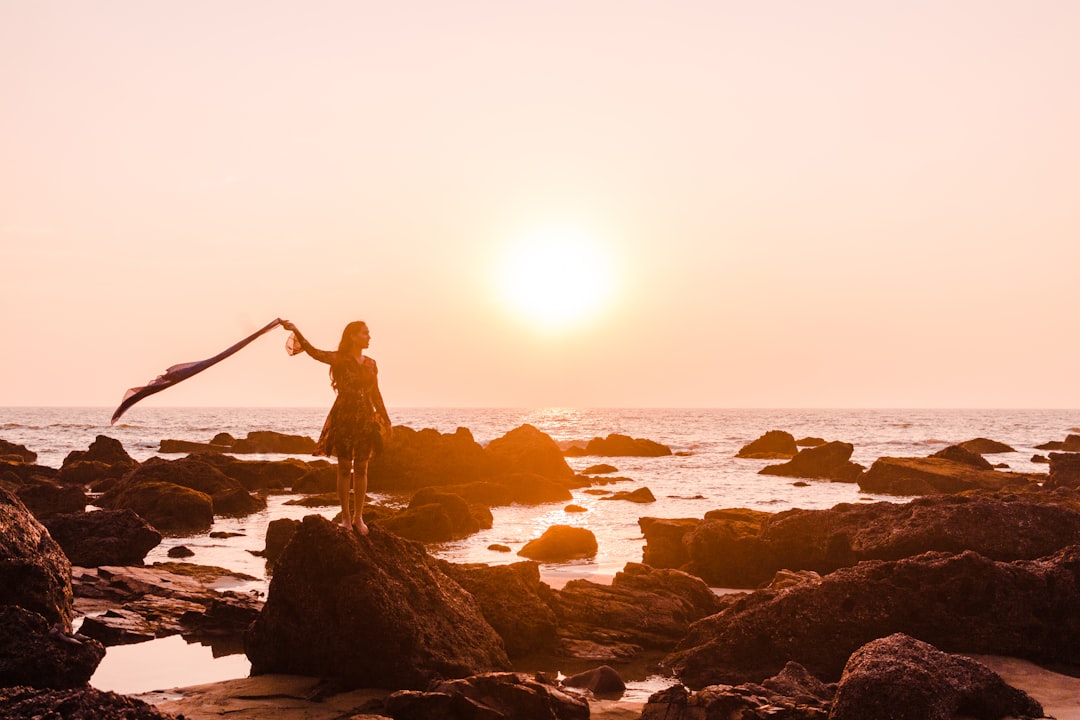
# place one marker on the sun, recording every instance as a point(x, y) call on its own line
point(556, 277)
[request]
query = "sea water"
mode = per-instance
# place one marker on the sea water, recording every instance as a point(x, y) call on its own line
point(704, 474)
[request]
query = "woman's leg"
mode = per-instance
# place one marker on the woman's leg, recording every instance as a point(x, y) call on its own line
point(344, 472)
point(360, 486)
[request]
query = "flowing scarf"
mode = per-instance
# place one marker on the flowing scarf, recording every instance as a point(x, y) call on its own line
point(179, 373)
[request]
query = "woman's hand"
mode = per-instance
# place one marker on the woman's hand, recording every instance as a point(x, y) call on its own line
point(288, 326)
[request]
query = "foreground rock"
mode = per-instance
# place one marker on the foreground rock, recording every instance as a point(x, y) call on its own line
point(773, 445)
point(1064, 471)
point(373, 611)
point(490, 695)
point(34, 572)
point(34, 654)
point(18, 703)
point(742, 548)
point(934, 475)
point(961, 603)
point(104, 537)
point(15, 452)
point(831, 461)
point(903, 678)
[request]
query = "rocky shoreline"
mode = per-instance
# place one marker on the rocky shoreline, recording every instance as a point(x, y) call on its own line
point(856, 611)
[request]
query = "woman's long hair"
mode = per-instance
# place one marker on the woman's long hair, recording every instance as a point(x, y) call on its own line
point(345, 348)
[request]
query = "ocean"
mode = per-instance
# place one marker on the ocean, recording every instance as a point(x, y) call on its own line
point(705, 475)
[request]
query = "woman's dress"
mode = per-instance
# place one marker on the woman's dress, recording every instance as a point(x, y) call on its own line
point(351, 429)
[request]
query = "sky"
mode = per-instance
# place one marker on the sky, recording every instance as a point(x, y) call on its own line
point(597, 203)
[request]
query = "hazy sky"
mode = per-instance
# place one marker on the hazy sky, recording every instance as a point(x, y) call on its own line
point(743, 204)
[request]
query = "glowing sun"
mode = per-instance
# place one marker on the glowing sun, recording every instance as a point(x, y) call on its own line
point(556, 277)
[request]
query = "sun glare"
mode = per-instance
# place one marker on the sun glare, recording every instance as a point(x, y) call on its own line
point(556, 278)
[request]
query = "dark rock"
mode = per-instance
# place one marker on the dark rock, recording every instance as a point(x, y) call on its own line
point(510, 598)
point(810, 442)
point(960, 454)
point(499, 548)
point(616, 445)
point(1064, 471)
point(371, 611)
point(19, 472)
point(224, 622)
point(90, 472)
point(488, 697)
point(601, 681)
point(45, 498)
point(237, 502)
point(463, 519)
point(601, 469)
point(983, 446)
point(105, 450)
point(87, 703)
point(223, 535)
point(10, 449)
point(259, 474)
point(167, 506)
point(664, 546)
point(1042, 459)
point(928, 476)
point(33, 653)
point(278, 534)
point(321, 477)
point(1071, 444)
point(641, 495)
point(424, 523)
point(414, 459)
point(906, 679)
point(180, 551)
point(831, 461)
point(773, 445)
point(961, 603)
point(560, 543)
point(34, 572)
point(104, 537)
point(527, 451)
point(258, 441)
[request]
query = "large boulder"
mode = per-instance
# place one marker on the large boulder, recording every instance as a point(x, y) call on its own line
point(414, 459)
point(489, 696)
point(831, 461)
point(105, 450)
point(932, 475)
point(259, 474)
point(34, 572)
point(560, 543)
point(902, 678)
point(16, 452)
point(104, 537)
point(45, 498)
point(1064, 471)
point(167, 506)
point(616, 445)
point(773, 445)
point(961, 603)
point(526, 450)
point(961, 454)
point(35, 654)
point(371, 611)
point(86, 703)
point(258, 441)
point(985, 446)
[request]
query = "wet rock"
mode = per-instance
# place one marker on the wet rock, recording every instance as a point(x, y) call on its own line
point(961, 603)
point(511, 598)
point(928, 476)
point(258, 441)
point(1041, 459)
point(601, 469)
point(465, 519)
point(105, 450)
point(33, 653)
point(372, 611)
point(560, 543)
point(92, 472)
point(664, 546)
point(424, 523)
point(414, 459)
point(84, 703)
point(180, 551)
point(527, 451)
point(641, 495)
point(831, 461)
point(985, 446)
point(488, 696)
point(571, 508)
point(1064, 471)
point(499, 548)
point(810, 442)
point(321, 477)
point(906, 679)
point(104, 537)
point(601, 681)
point(256, 475)
point(34, 572)
point(616, 445)
point(1071, 444)
point(167, 506)
point(278, 534)
point(773, 445)
point(15, 451)
point(960, 454)
point(45, 498)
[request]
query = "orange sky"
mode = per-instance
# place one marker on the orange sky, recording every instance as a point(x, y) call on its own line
point(777, 204)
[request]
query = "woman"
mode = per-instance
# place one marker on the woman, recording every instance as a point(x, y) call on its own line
point(352, 430)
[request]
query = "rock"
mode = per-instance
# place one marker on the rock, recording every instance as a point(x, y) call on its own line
point(45, 498)
point(810, 442)
point(33, 653)
point(831, 461)
point(773, 445)
point(85, 703)
point(616, 445)
point(604, 680)
point(560, 543)
point(571, 508)
point(278, 534)
point(1071, 444)
point(961, 603)
point(424, 523)
point(180, 551)
point(793, 694)
point(256, 475)
point(983, 446)
point(488, 697)
point(511, 599)
point(601, 469)
point(167, 506)
point(1042, 459)
point(415, 459)
point(9, 449)
point(34, 572)
point(259, 441)
point(927, 476)
point(372, 611)
point(103, 537)
point(92, 472)
point(527, 451)
point(906, 679)
point(746, 549)
point(1064, 471)
point(105, 450)
point(321, 477)
point(641, 495)
point(496, 547)
point(960, 454)
point(464, 519)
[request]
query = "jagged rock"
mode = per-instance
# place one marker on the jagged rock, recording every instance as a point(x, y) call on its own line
point(616, 445)
point(773, 445)
point(527, 451)
point(664, 547)
point(560, 543)
point(414, 459)
point(19, 472)
point(961, 603)
point(167, 506)
point(604, 680)
point(793, 694)
point(1064, 471)
point(960, 454)
point(278, 534)
point(511, 598)
point(13, 450)
point(92, 472)
point(86, 703)
point(33, 653)
point(45, 498)
point(928, 476)
point(903, 678)
point(104, 537)
point(1071, 444)
point(105, 450)
point(831, 461)
point(34, 572)
point(984, 446)
point(371, 611)
point(488, 697)
point(641, 495)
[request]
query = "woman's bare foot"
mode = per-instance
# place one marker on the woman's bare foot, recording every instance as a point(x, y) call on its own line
point(347, 524)
point(361, 528)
